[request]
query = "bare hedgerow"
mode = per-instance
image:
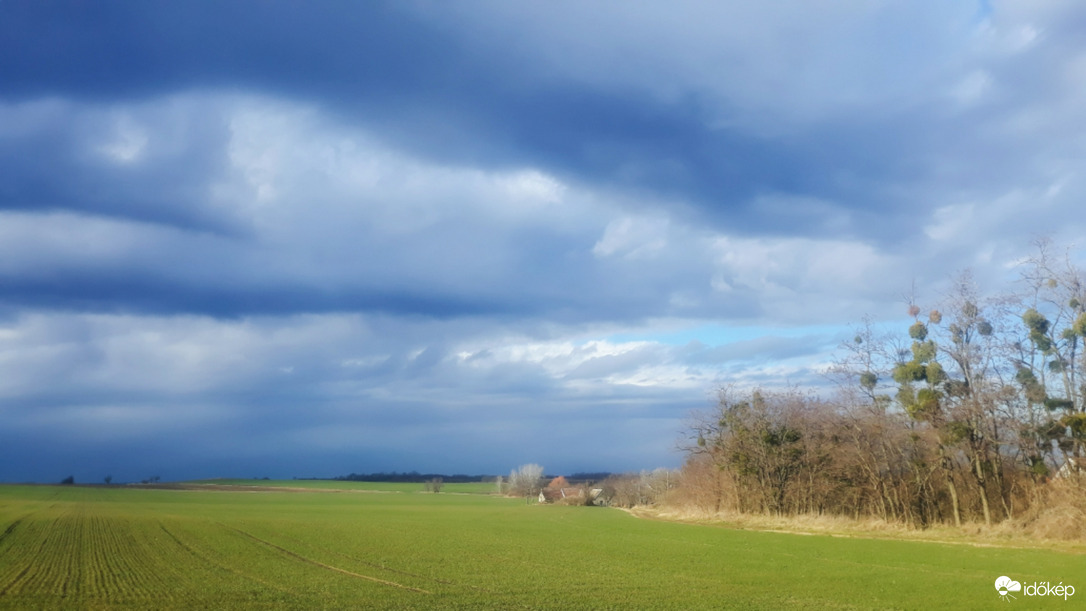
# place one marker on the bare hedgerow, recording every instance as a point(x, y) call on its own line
point(1060, 510)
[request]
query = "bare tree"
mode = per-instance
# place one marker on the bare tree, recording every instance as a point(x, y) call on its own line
point(525, 480)
point(433, 485)
point(1053, 359)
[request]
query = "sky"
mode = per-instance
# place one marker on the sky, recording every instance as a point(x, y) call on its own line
point(286, 239)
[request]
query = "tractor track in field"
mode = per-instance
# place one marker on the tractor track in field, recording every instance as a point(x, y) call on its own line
point(23, 573)
point(382, 567)
point(11, 527)
point(18, 577)
point(207, 561)
point(322, 565)
point(15, 581)
point(447, 582)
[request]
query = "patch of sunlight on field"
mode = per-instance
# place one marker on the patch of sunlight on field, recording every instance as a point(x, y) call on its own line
point(98, 547)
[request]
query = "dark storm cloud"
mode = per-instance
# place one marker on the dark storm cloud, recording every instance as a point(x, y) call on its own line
point(51, 164)
point(438, 93)
point(118, 291)
point(125, 49)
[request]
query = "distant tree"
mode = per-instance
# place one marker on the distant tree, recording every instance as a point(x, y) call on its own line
point(621, 490)
point(525, 480)
point(109, 479)
point(433, 485)
point(653, 485)
point(68, 481)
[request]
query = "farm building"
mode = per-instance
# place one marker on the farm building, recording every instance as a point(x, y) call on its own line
point(559, 489)
point(553, 495)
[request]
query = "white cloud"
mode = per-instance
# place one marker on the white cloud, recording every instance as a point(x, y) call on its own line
point(972, 88)
point(633, 238)
point(285, 154)
point(128, 142)
point(532, 186)
point(172, 355)
point(29, 241)
point(949, 222)
point(797, 263)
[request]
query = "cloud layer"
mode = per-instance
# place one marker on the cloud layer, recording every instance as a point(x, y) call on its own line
point(270, 239)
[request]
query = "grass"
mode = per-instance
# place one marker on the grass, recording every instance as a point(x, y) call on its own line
point(99, 547)
point(1005, 534)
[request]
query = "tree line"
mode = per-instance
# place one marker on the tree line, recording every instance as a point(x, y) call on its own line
point(970, 412)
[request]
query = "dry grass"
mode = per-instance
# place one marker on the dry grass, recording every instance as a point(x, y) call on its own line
point(1060, 527)
point(1059, 513)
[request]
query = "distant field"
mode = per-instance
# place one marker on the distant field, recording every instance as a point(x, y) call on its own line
point(321, 484)
point(98, 547)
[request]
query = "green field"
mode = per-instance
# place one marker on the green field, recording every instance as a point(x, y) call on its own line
point(97, 547)
point(325, 484)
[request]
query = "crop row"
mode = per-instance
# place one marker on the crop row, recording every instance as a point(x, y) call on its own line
point(85, 555)
point(76, 556)
point(73, 555)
